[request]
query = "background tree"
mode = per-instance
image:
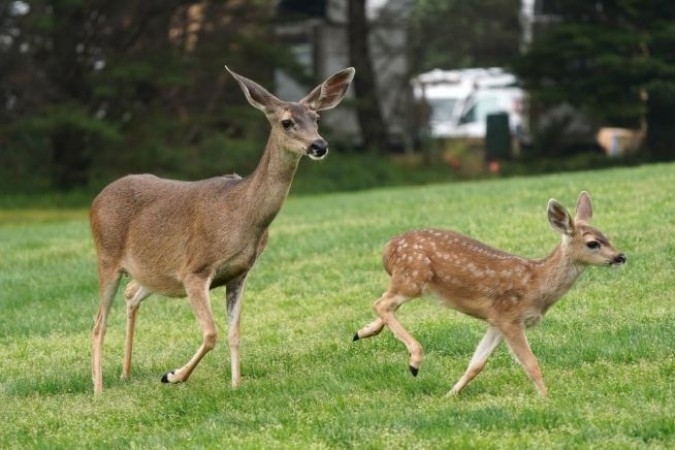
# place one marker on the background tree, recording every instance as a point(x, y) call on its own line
point(614, 60)
point(451, 34)
point(90, 90)
point(369, 114)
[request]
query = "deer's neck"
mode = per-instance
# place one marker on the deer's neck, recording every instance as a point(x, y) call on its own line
point(559, 272)
point(267, 187)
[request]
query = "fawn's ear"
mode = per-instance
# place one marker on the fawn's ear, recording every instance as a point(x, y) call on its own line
point(559, 218)
point(256, 95)
point(584, 209)
point(328, 94)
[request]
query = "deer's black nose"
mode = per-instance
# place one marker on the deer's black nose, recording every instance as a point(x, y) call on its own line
point(318, 149)
point(619, 259)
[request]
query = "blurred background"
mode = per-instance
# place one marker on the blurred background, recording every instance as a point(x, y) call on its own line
point(444, 89)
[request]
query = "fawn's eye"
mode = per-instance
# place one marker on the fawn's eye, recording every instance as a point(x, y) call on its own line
point(287, 124)
point(593, 245)
point(318, 120)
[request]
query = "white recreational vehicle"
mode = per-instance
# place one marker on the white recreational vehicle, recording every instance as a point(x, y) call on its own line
point(459, 101)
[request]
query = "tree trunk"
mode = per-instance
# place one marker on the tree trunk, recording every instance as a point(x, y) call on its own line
point(660, 131)
point(369, 114)
point(70, 157)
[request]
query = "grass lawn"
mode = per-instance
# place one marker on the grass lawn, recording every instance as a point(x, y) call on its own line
point(606, 349)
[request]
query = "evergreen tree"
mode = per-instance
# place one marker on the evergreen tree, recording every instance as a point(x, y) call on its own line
point(452, 34)
point(90, 90)
point(612, 59)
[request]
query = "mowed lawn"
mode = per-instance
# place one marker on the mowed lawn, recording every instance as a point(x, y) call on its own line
point(606, 349)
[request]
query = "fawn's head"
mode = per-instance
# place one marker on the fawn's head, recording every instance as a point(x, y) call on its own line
point(295, 126)
point(588, 245)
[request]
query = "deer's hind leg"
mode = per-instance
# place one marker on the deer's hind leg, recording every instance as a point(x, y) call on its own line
point(134, 294)
point(109, 280)
point(372, 329)
point(386, 308)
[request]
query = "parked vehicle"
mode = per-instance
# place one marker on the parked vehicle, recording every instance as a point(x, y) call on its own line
point(459, 101)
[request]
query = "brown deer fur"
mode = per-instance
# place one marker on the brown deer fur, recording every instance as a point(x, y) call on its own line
point(178, 238)
point(507, 291)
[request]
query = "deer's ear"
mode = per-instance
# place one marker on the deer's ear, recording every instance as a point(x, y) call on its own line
point(328, 94)
point(559, 218)
point(584, 209)
point(256, 95)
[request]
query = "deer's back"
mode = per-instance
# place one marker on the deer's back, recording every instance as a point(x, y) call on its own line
point(157, 229)
point(145, 203)
point(464, 273)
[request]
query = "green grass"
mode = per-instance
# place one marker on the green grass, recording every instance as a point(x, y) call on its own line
point(606, 350)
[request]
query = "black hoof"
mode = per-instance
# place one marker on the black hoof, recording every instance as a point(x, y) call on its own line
point(356, 337)
point(414, 371)
point(165, 377)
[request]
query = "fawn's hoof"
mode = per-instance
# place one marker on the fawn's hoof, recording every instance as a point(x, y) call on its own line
point(356, 337)
point(414, 371)
point(165, 377)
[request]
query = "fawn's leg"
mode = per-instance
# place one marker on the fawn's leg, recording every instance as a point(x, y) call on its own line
point(109, 281)
point(197, 288)
point(235, 290)
point(514, 334)
point(385, 307)
point(372, 329)
point(134, 294)
point(485, 348)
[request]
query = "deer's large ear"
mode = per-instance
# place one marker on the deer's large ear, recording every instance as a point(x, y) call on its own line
point(559, 218)
point(584, 209)
point(256, 95)
point(328, 94)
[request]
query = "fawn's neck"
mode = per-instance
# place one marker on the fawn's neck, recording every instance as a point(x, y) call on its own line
point(267, 187)
point(559, 271)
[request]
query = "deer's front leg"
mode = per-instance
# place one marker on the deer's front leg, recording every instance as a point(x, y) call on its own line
point(235, 291)
point(197, 288)
point(385, 307)
point(485, 348)
point(514, 334)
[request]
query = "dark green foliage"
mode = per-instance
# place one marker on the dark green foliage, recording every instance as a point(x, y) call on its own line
point(661, 107)
point(368, 108)
point(449, 34)
point(351, 172)
point(613, 60)
point(93, 90)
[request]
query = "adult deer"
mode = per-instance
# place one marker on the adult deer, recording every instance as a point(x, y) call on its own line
point(179, 239)
point(509, 292)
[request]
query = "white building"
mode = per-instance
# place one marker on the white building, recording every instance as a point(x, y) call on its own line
point(318, 37)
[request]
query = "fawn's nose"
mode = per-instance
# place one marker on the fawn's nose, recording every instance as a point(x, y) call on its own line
point(318, 149)
point(619, 259)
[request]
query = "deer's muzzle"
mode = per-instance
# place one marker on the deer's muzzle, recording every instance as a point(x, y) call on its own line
point(318, 149)
point(618, 259)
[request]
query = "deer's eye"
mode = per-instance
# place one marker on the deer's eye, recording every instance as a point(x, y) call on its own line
point(318, 120)
point(593, 245)
point(287, 124)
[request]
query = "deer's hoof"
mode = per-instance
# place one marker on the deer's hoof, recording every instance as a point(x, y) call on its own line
point(414, 371)
point(356, 337)
point(165, 377)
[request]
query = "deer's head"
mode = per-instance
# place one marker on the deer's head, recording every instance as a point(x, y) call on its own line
point(588, 245)
point(295, 125)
